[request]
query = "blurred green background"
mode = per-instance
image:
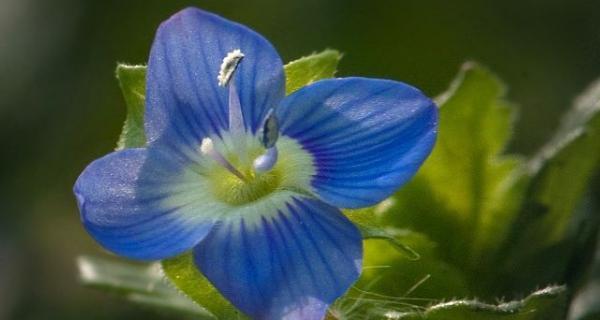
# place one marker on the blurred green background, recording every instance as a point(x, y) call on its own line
point(60, 106)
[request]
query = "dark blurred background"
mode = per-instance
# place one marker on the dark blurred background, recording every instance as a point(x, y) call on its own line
point(60, 106)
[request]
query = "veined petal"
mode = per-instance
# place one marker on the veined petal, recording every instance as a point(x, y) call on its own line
point(143, 204)
point(290, 261)
point(367, 137)
point(184, 102)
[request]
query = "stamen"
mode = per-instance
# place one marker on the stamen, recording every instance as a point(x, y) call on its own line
point(269, 132)
point(236, 117)
point(228, 66)
point(208, 148)
point(268, 135)
point(267, 161)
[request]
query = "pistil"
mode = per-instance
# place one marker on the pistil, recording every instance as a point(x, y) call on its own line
point(208, 148)
point(236, 117)
point(268, 135)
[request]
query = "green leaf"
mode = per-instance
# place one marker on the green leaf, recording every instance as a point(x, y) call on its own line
point(309, 69)
point(545, 304)
point(392, 237)
point(132, 80)
point(586, 302)
point(554, 228)
point(563, 169)
point(184, 274)
point(366, 221)
point(140, 283)
point(387, 271)
point(467, 193)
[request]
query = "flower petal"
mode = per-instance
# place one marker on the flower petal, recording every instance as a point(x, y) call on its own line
point(367, 137)
point(289, 263)
point(143, 204)
point(184, 102)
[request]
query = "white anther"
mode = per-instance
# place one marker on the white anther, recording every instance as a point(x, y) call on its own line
point(228, 66)
point(207, 147)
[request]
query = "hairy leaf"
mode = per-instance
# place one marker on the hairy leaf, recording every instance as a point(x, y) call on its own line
point(184, 274)
point(543, 304)
point(309, 69)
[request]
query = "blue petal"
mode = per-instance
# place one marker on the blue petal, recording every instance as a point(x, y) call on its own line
point(137, 204)
point(184, 102)
point(289, 264)
point(367, 136)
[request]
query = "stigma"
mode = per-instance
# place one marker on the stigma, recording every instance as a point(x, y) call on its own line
point(268, 135)
point(207, 148)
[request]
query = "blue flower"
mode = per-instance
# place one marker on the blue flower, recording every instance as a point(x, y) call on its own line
point(248, 179)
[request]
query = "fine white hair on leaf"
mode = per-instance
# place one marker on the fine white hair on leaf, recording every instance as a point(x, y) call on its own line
point(228, 66)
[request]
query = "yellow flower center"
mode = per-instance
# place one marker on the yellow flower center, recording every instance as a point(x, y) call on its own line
point(292, 172)
point(230, 189)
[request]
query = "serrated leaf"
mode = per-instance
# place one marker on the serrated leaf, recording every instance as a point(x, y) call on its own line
point(132, 80)
point(184, 274)
point(543, 304)
point(466, 194)
point(309, 69)
point(140, 283)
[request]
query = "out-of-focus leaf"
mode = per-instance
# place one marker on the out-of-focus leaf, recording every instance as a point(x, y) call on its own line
point(132, 80)
point(309, 69)
point(563, 169)
point(466, 194)
point(186, 277)
point(555, 228)
point(141, 283)
point(545, 304)
point(586, 303)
